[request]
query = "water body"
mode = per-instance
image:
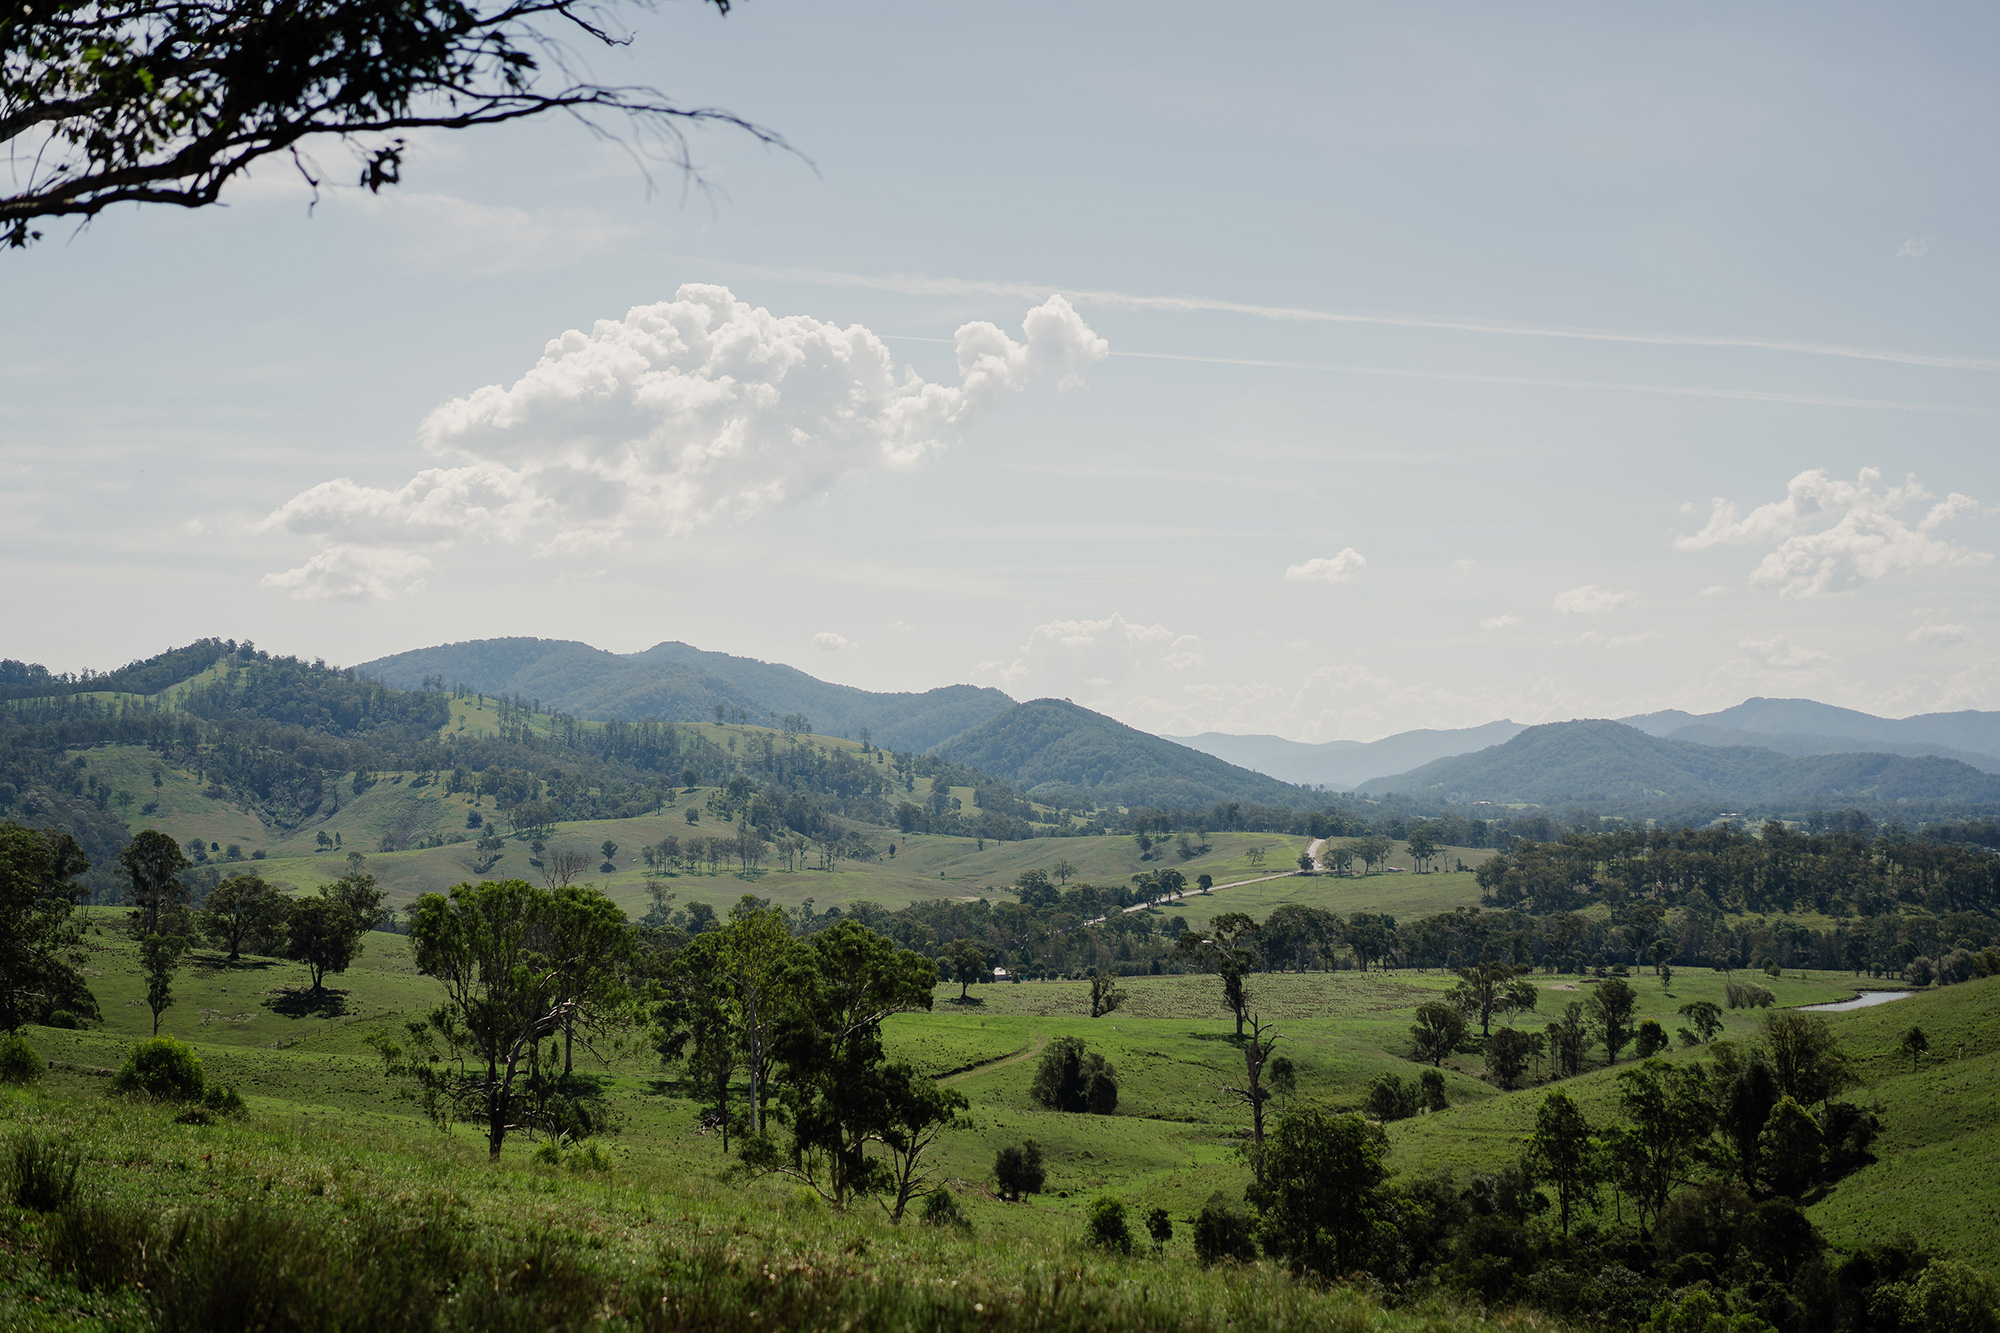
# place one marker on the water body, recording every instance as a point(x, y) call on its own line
point(1866, 1000)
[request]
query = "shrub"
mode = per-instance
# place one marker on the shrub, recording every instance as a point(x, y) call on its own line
point(1389, 1099)
point(1223, 1231)
point(1920, 972)
point(1160, 1227)
point(1431, 1090)
point(1071, 1078)
point(41, 1173)
point(1017, 1171)
point(18, 1061)
point(1652, 1039)
point(161, 1068)
point(941, 1210)
point(1748, 995)
point(1106, 1227)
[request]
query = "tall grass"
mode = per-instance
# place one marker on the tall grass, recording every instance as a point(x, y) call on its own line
point(41, 1172)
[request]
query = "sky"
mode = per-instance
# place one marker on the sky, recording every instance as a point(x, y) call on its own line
point(1322, 370)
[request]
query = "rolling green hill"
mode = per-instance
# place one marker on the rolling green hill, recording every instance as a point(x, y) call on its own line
point(1065, 755)
point(1608, 762)
point(677, 683)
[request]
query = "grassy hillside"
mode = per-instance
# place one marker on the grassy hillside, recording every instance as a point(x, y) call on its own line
point(1066, 755)
point(1608, 762)
point(1941, 1122)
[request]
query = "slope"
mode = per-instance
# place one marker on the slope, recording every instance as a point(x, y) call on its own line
point(1924, 733)
point(1602, 761)
point(1344, 765)
point(677, 683)
point(1065, 755)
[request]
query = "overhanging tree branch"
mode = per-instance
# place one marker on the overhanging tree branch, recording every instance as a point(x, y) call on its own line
point(165, 102)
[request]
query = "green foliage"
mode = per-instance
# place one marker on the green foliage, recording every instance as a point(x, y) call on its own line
point(244, 912)
point(18, 1061)
point(1224, 1232)
point(1105, 1226)
point(941, 1210)
point(1072, 1078)
point(1018, 1171)
point(1650, 1039)
point(1947, 1297)
point(1321, 1191)
point(1790, 1148)
point(41, 948)
point(1160, 1227)
point(163, 1069)
point(1748, 995)
point(1440, 1030)
point(322, 934)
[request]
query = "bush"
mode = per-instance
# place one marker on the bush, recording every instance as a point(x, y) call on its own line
point(1017, 1171)
point(1748, 995)
point(1390, 1099)
point(1223, 1232)
point(1652, 1039)
point(1160, 1227)
point(1106, 1227)
point(1070, 1078)
point(41, 1173)
point(163, 1069)
point(941, 1210)
point(18, 1061)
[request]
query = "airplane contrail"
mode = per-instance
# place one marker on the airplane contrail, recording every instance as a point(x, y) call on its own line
point(922, 286)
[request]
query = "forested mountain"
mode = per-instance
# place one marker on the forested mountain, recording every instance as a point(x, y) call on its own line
point(673, 682)
point(1344, 765)
point(1609, 763)
point(1064, 755)
point(1804, 726)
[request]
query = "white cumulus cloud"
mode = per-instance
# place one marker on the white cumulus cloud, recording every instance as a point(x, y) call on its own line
point(1590, 600)
point(1829, 535)
point(1937, 636)
point(1100, 654)
point(681, 413)
point(1500, 622)
point(1778, 651)
point(1328, 568)
point(350, 574)
point(829, 642)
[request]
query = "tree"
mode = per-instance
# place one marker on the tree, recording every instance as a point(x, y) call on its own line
point(41, 947)
point(846, 980)
point(1705, 1017)
point(588, 937)
point(1105, 994)
point(1507, 1054)
point(323, 935)
point(1430, 1091)
point(1226, 950)
point(1612, 1005)
point(610, 849)
point(1252, 1092)
point(1569, 1039)
point(1564, 1151)
point(1650, 1040)
point(1482, 988)
point(244, 911)
point(561, 867)
point(159, 959)
point(505, 991)
point(1915, 1044)
point(1373, 850)
point(1439, 1030)
point(1305, 863)
point(1806, 1058)
point(1370, 935)
point(1745, 1107)
point(1322, 1191)
point(1672, 1114)
point(1063, 871)
point(916, 1111)
point(965, 963)
point(1017, 1171)
point(1791, 1148)
point(755, 959)
point(1072, 1078)
point(1105, 1226)
point(159, 103)
point(1160, 1226)
point(1336, 859)
point(1422, 848)
point(153, 865)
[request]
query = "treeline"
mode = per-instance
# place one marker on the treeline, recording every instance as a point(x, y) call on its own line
point(1709, 872)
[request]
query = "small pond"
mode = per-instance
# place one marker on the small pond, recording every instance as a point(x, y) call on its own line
point(1865, 1000)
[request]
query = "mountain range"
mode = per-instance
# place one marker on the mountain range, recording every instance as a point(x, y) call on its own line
point(1791, 753)
point(1610, 763)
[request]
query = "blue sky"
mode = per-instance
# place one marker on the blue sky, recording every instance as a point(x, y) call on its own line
point(1413, 350)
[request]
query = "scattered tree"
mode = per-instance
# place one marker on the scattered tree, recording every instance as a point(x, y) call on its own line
point(159, 959)
point(1612, 1005)
point(1915, 1044)
point(1071, 1078)
point(41, 946)
point(1322, 1191)
point(243, 911)
point(1566, 1153)
point(1439, 1030)
point(1105, 994)
point(1018, 1172)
